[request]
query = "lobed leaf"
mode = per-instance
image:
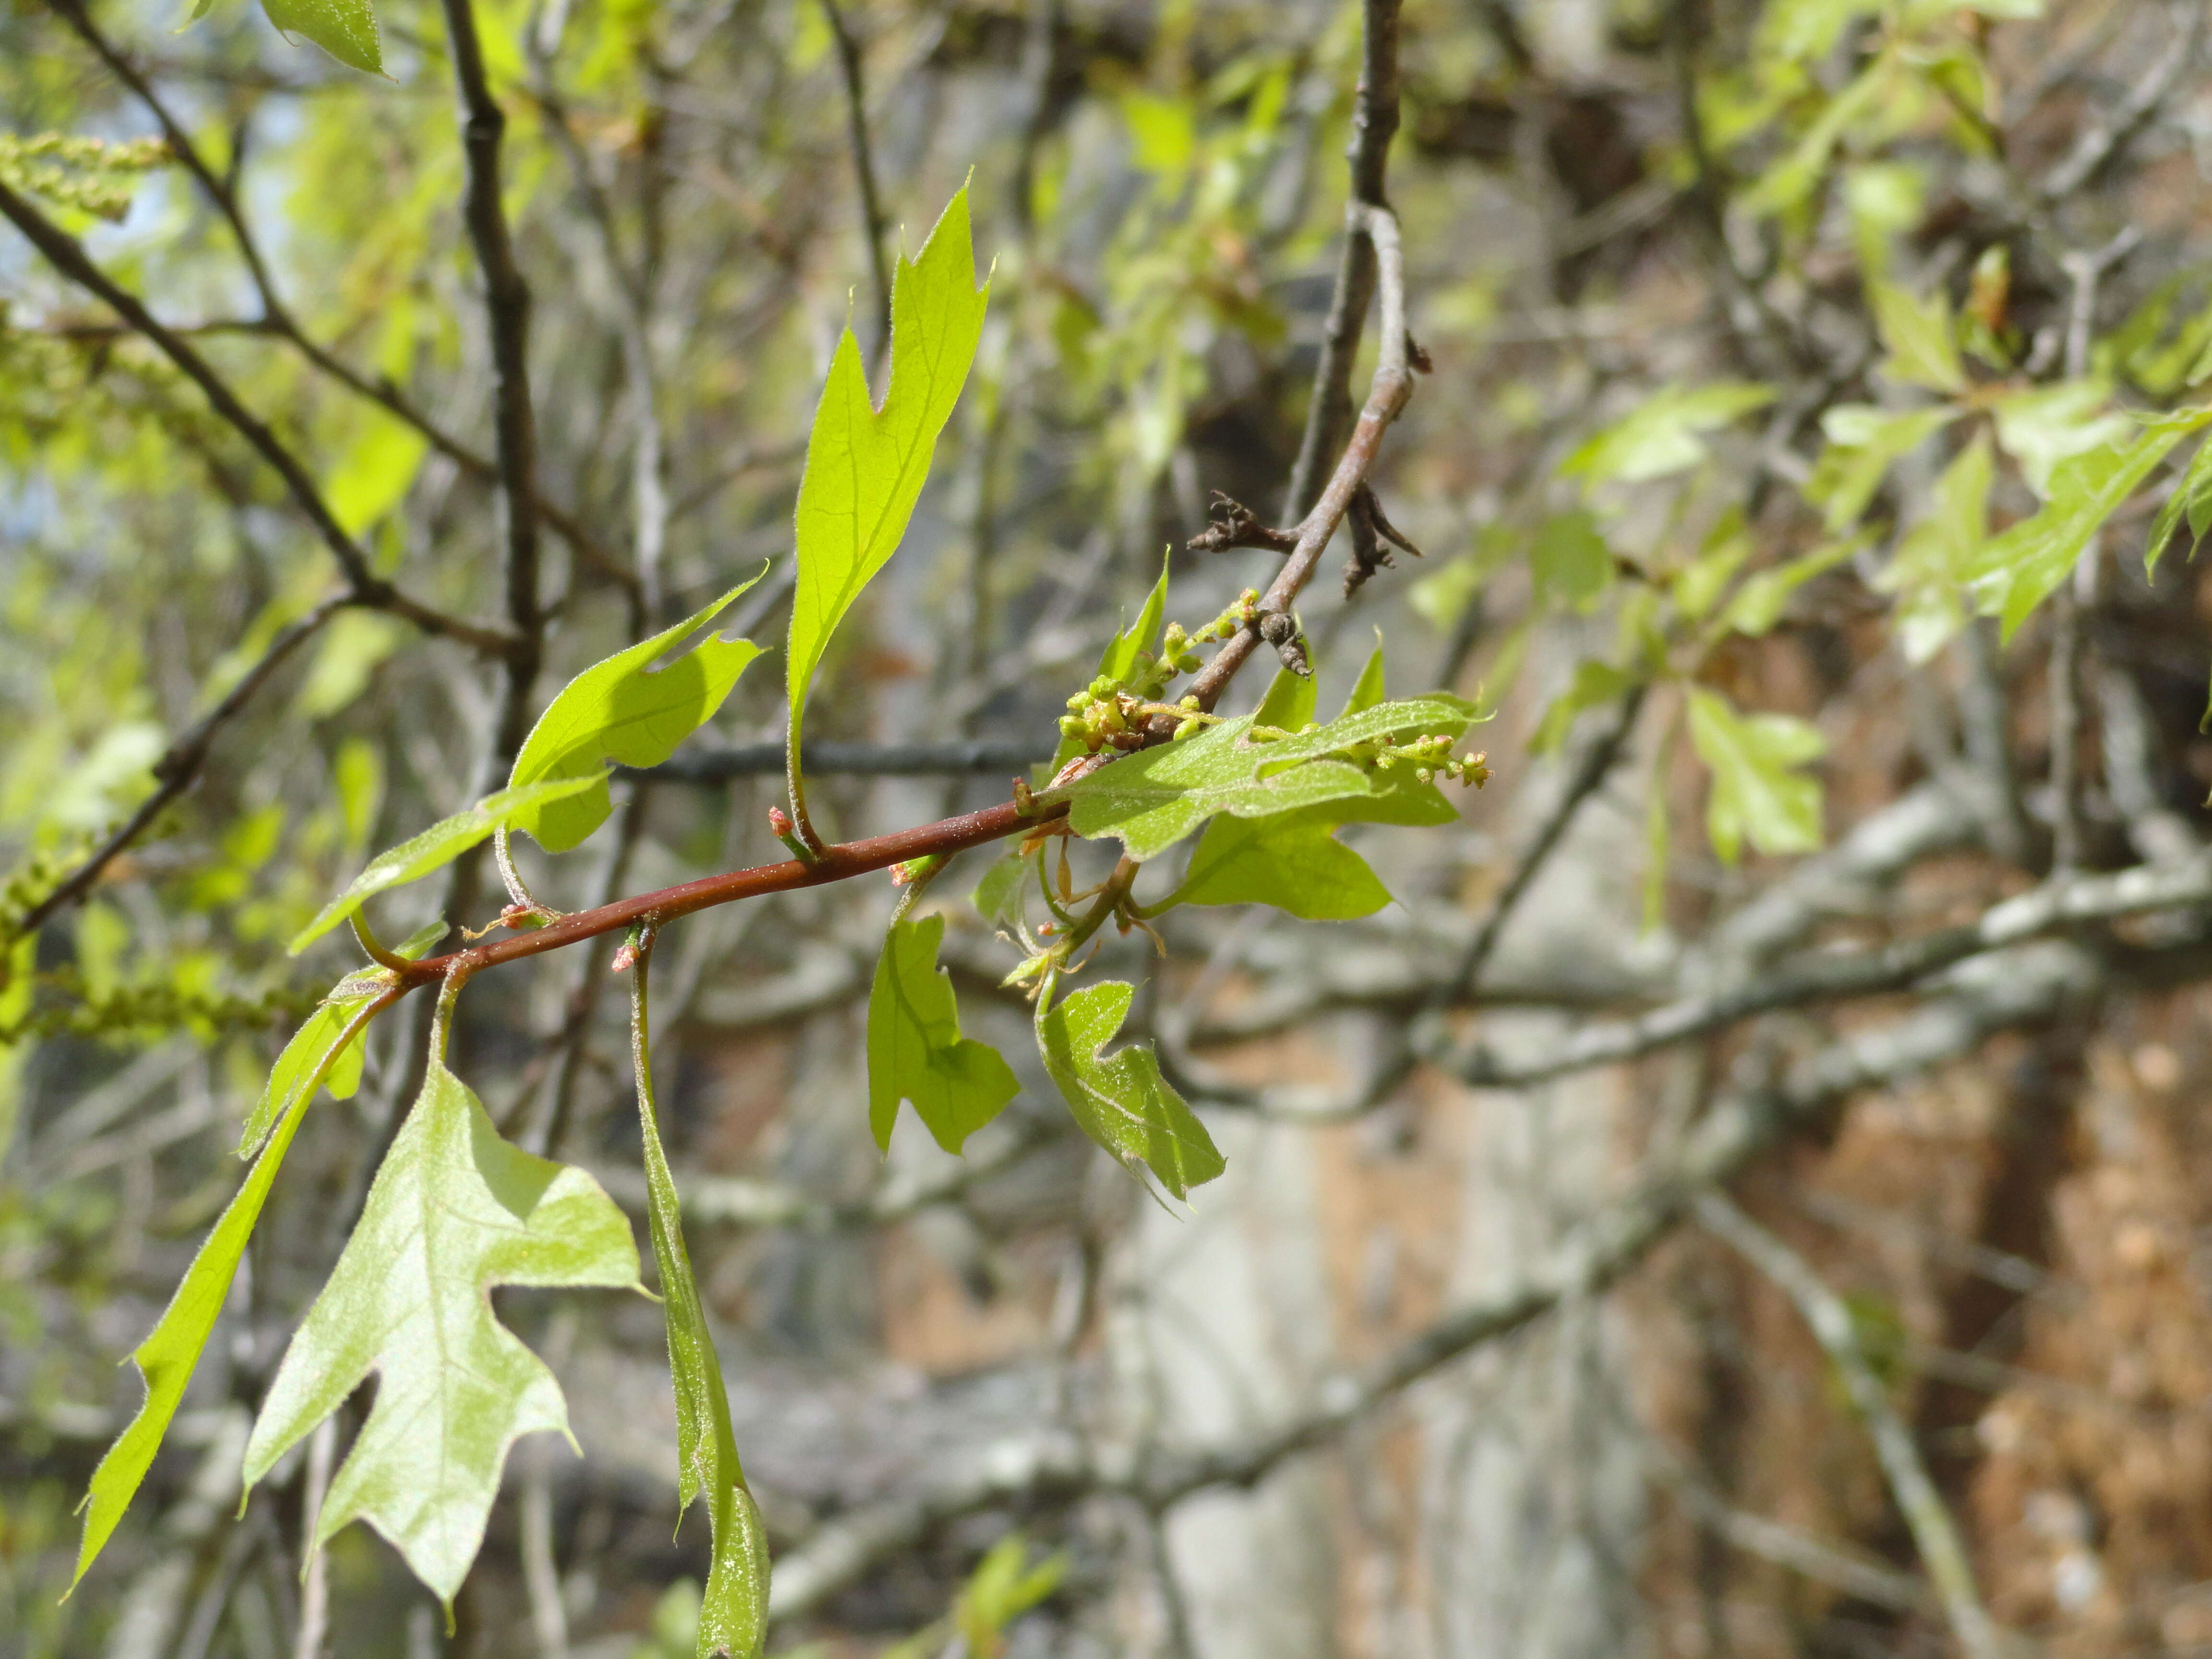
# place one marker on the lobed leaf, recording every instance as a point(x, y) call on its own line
point(625, 709)
point(1123, 1102)
point(166, 1357)
point(1758, 791)
point(865, 465)
point(455, 1211)
point(1918, 336)
point(439, 844)
point(1292, 861)
point(915, 1051)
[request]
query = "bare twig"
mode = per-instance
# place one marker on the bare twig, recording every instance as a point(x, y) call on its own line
point(1935, 1533)
point(873, 222)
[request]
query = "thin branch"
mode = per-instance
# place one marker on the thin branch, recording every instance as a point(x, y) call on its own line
point(180, 765)
point(974, 756)
point(68, 256)
point(872, 222)
point(1374, 124)
point(506, 306)
point(1935, 1534)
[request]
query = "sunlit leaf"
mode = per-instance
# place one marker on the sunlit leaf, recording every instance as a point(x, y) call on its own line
point(625, 709)
point(2191, 499)
point(2042, 427)
point(344, 28)
point(441, 844)
point(1758, 791)
point(1293, 862)
point(1917, 334)
point(915, 1051)
point(1119, 660)
point(1864, 443)
point(312, 1057)
point(455, 1211)
point(866, 466)
point(1122, 1102)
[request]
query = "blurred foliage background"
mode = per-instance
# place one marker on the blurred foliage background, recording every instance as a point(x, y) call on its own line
point(1753, 329)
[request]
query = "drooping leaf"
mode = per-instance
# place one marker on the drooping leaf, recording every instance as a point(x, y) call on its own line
point(2019, 570)
point(1122, 1102)
point(625, 709)
point(732, 1615)
point(1864, 443)
point(1917, 334)
point(998, 894)
point(1292, 861)
point(454, 1212)
point(866, 466)
point(313, 1057)
point(2050, 424)
point(166, 1358)
point(1664, 435)
point(2191, 499)
point(344, 28)
point(439, 845)
point(1758, 790)
point(915, 1051)
point(1928, 570)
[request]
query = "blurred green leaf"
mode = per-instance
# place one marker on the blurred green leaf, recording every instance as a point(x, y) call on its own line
point(2042, 427)
point(1923, 347)
point(1927, 571)
point(1864, 443)
point(1664, 433)
point(1758, 791)
point(1570, 561)
point(2191, 499)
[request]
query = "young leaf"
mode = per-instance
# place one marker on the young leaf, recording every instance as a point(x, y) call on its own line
point(454, 1212)
point(344, 28)
point(1864, 443)
point(1292, 861)
point(1570, 561)
point(1289, 702)
point(733, 1617)
point(915, 1051)
point(1123, 1103)
point(441, 844)
point(1758, 790)
point(2018, 571)
point(865, 465)
point(1664, 435)
point(625, 709)
point(1119, 660)
point(1916, 333)
point(322, 1051)
point(172, 1349)
point(1370, 690)
point(1757, 605)
point(2191, 498)
point(998, 895)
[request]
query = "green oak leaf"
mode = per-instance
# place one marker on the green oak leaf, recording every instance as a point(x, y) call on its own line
point(733, 1612)
point(915, 1051)
point(454, 1212)
point(1923, 350)
point(344, 28)
point(166, 1357)
point(1123, 1102)
point(2041, 427)
point(1290, 703)
point(999, 892)
point(439, 845)
point(1367, 692)
point(2192, 498)
point(1292, 861)
point(1758, 790)
point(625, 709)
point(1926, 571)
point(2021, 568)
point(1154, 797)
point(865, 465)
